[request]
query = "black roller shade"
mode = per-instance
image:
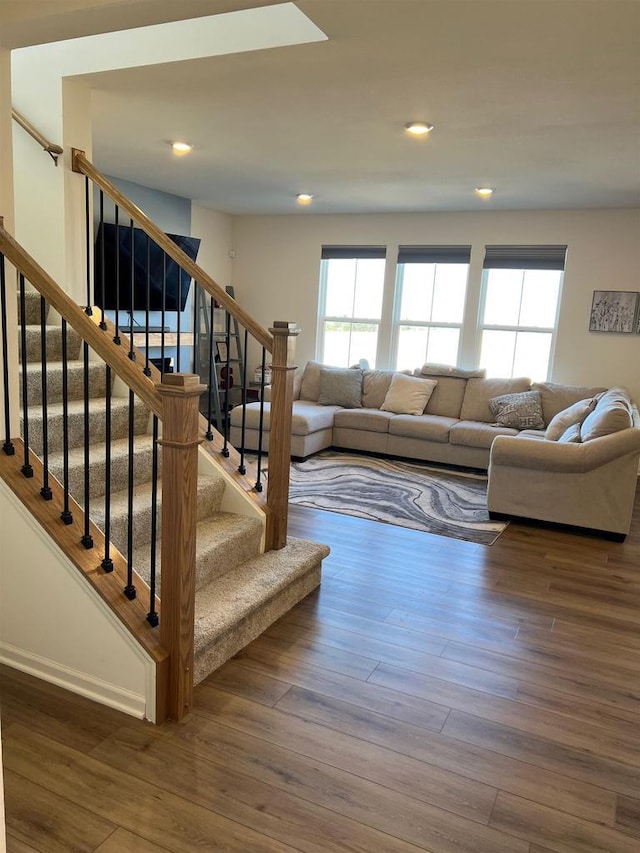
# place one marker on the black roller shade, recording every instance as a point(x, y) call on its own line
point(348, 252)
point(434, 254)
point(525, 257)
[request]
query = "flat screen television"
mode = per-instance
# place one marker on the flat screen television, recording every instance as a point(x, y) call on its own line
point(149, 270)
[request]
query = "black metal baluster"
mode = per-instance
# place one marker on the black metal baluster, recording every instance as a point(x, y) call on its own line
point(212, 373)
point(242, 467)
point(26, 469)
point(261, 423)
point(45, 491)
point(66, 514)
point(130, 590)
point(103, 324)
point(88, 310)
point(8, 447)
point(116, 336)
point(87, 539)
point(152, 615)
point(179, 319)
point(164, 309)
point(196, 337)
point(147, 370)
point(107, 562)
point(225, 414)
point(132, 288)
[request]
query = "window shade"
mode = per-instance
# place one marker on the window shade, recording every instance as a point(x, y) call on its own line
point(524, 257)
point(342, 252)
point(434, 254)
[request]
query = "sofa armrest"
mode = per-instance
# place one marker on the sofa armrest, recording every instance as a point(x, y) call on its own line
point(522, 452)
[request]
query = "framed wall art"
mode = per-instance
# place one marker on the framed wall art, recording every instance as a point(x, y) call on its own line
point(614, 311)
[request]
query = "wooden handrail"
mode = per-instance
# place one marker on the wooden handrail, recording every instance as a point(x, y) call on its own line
point(83, 166)
point(51, 148)
point(115, 356)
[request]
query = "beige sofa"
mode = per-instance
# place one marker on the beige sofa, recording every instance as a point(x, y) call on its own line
point(588, 484)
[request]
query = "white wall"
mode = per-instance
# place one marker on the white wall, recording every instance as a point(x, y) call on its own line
point(215, 231)
point(54, 626)
point(278, 257)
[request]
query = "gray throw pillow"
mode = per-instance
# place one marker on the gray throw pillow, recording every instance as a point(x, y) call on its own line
point(518, 411)
point(340, 387)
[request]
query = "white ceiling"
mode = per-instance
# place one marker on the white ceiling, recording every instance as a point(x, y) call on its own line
point(537, 98)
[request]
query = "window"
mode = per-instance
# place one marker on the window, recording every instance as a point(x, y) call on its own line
point(431, 284)
point(351, 288)
point(519, 309)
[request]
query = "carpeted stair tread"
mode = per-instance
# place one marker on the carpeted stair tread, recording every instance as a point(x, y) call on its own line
point(210, 492)
point(75, 431)
point(75, 381)
point(54, 343)
point(118, 467)
point(223, 541)
point(232, 610)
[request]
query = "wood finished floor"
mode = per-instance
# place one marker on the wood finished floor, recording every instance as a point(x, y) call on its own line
point(434, 695)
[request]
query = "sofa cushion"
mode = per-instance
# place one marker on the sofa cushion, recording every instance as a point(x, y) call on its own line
point(556, 397)
point(447, 396)
point(310, 384)
point(340, 386)
point(408, 395)
point(574, 414)
point(375, 384)
point(372, 420)
point(307, 416)
point(611, 414)
point(450, 370)
point(477, 433)
point(519, 411)
point(430, 427)
point(475, 405)
point(571, 435)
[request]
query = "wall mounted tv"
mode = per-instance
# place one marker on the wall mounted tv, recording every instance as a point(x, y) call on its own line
point(149, 270)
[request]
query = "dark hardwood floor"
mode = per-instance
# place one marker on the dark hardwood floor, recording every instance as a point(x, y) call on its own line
point(433, 695)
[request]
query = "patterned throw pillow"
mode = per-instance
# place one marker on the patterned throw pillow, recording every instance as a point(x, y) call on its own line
point(518, 411)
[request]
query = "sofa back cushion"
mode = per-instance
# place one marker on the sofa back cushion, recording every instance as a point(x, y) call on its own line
point(475, 405)
point(375, 384)
point(611, 414)
point(556, 397)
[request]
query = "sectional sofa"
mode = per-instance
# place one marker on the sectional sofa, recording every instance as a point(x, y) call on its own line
point(553, 452)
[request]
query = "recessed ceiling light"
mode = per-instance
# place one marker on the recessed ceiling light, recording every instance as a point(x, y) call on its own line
point(304, 198)
point(484, 192)
point(181, 148)
point(418, 128)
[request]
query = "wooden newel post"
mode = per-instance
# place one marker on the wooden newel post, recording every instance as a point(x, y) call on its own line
point(180, 398)
point(282, 371)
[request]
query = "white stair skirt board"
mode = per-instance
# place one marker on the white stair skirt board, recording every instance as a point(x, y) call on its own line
point(111, 695)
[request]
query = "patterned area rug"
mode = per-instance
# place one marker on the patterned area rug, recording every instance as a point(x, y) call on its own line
point(435, 500)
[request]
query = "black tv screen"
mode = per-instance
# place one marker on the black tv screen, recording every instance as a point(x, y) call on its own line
point(151, 267)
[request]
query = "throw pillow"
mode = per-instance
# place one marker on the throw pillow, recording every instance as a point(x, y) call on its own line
point(340, 387)
point(408, 395)
point(568, 417)
point(518, 411)
point(571, 435)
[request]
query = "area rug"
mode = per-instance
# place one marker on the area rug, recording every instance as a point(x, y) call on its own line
point(441, 501)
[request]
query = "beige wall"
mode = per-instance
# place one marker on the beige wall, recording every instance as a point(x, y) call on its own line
point(275, 272)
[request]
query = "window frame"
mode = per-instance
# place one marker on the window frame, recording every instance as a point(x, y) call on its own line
point(436, 255)
point(356, 253)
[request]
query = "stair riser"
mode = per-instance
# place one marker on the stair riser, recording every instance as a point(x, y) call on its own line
point(119, 472)
point(209, 498)
point(31, 307)
point(223, 556)
point(75, 382)
point(54, 344)
point(75, 430)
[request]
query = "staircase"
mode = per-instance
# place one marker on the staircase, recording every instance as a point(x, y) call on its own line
point(239, 590)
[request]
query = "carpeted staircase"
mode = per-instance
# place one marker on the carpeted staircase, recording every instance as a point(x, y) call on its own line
point(239, 591)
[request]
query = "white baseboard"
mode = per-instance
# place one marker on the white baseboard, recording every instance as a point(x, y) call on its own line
point(73, 680)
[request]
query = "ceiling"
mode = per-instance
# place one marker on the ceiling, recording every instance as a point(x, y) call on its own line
point(539, 99)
